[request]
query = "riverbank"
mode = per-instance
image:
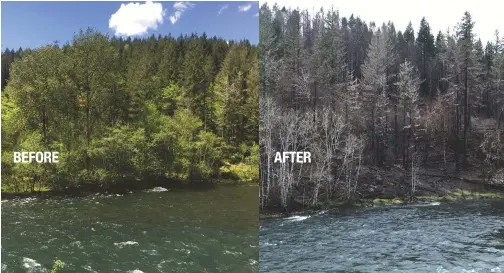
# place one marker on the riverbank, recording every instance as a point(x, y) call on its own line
point(391, 186)
point(172, 185)
point(360, 203)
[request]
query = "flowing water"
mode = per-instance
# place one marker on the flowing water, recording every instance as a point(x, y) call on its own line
point(174, 231)
point(436, 237)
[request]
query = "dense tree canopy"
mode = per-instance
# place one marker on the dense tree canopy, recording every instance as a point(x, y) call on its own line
point(122, 111)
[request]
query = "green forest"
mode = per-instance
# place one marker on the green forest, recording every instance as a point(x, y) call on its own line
point(131, 113)
point(384, 112)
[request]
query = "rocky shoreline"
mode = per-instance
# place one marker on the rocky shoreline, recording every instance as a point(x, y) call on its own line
point(266, 214)
point(121, 189)
point(381, 187)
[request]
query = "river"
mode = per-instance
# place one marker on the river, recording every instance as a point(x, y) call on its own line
point(174, 231)
point(437, 237)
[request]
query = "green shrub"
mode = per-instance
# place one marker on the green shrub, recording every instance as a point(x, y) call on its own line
point(57, 267)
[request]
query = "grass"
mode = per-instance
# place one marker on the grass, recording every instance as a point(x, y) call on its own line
point(461, 195)
point(431, 198)
point(450, 196)
point(389, 201)
point(472, 195)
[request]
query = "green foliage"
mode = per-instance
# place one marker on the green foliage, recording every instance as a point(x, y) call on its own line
point(245, 171)
point(57, 267)
point(170, 98)
point(208, 151)
point(119, 155)
point(126, 111)
point(241, 172)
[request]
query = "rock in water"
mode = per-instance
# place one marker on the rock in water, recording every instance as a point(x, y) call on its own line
point(158, 189)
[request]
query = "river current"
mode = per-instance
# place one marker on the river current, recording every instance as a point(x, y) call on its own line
point(174, 231)
point(436, 237)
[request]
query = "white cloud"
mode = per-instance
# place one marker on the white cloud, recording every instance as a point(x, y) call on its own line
point(222, 8)
point(244, 8)
point(439, 14)
point(180, 8)
point(175, 16)
point(136, 19)
point(257, 14)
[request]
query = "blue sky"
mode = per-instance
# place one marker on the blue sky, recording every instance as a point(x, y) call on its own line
point(34, 24)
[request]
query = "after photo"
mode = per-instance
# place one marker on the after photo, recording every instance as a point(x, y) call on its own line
point(400, 107)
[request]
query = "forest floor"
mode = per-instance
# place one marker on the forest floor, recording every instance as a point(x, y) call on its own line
point(392, 186)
